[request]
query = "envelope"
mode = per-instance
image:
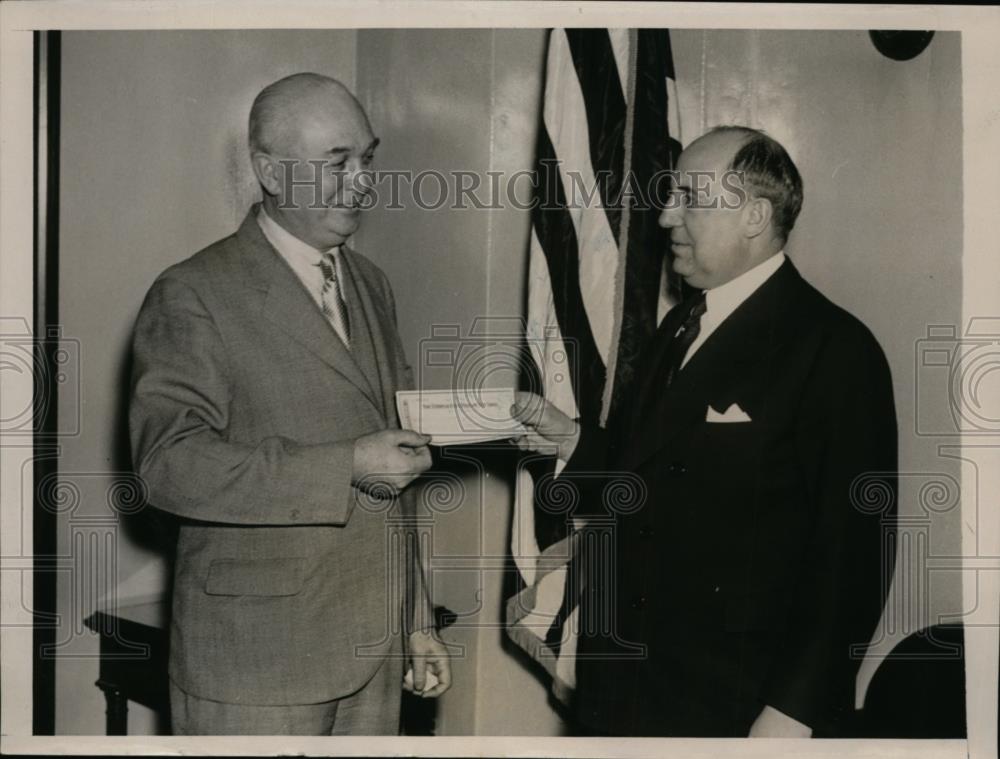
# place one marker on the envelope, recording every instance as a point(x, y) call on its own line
point(460, 416)
point(733, 414)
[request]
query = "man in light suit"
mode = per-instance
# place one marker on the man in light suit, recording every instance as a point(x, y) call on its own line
point(764, 432)
point(262, 414)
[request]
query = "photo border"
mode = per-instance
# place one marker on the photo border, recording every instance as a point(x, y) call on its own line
point(980, 27)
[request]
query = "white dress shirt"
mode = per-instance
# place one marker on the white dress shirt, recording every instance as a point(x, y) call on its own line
point(304, 260)
point(721, 301)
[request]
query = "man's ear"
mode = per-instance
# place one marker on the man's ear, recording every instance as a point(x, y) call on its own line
point(265, 169)
point(757, 215)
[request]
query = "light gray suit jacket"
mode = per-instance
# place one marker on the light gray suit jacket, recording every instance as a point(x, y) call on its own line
point(289, 583)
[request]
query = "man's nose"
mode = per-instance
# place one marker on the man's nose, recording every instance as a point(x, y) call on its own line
point(358, 181)
point(364, 180)
point(672, 216)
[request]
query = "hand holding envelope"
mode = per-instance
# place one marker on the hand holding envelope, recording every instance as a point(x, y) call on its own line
point(548, 430)
point(460, 416)
point(387, 461)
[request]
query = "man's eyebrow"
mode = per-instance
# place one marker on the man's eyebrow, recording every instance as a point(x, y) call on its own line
point(342, 150)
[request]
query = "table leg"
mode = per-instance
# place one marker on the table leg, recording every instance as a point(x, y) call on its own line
point(117, 709)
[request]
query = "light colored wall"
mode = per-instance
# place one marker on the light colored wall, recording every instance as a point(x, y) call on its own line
point(153, 169)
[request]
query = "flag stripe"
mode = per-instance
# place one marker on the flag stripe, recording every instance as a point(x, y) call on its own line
point(597, 70)
point(566, 122)
point(559, 633)
point(647, 241)
point(617, 312)
point(557, 238)
point(620, 47)
point(548, 373)
point(594, 290)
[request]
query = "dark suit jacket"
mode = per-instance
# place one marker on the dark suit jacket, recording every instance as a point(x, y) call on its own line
point(758, 557)
point(245, 405)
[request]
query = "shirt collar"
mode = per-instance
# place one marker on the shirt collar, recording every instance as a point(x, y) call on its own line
point(289, 245)
point(721, 301)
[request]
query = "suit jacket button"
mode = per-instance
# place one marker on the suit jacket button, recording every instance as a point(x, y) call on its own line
point(639, 602)
point(677, 468)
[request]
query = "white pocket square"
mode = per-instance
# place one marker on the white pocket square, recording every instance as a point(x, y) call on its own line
point(732, 414)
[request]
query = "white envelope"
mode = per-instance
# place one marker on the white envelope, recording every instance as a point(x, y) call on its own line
point(459, 417)
point(732, 414)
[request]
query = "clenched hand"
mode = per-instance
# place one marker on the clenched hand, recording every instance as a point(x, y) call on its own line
point(386, 462)
point(428, 656)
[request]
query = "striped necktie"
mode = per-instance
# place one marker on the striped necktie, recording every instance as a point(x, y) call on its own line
point(685, 337)
point(334, 307)
point(664, 356)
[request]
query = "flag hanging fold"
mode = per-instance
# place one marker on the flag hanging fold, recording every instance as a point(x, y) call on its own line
point(609, 133)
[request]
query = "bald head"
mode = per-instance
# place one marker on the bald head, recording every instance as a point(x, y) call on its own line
point(283, 109)
point(739, 194)
point(311, 147)
point(768, 170)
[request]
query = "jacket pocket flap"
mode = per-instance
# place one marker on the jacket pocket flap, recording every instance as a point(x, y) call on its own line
point(255, 577)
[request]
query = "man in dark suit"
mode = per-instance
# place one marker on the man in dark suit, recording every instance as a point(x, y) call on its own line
point(764, 432)
point(263, 415)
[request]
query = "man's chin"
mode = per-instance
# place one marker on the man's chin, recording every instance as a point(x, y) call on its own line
point(344, 223)
point(682, 267)
point(689, 275)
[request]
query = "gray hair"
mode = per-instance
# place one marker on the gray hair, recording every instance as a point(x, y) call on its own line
point(770, 173)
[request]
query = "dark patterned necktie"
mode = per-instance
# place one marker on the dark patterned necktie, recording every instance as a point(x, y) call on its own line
point(334, 307)
point(686, 335)
point(665, 354)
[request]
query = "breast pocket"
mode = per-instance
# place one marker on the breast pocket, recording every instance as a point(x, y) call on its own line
point(256, 577)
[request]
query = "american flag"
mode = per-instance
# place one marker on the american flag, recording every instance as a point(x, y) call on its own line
point(596, 289)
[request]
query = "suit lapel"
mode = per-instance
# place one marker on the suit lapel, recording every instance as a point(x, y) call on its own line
point(647, 393)
point(288, 305)
point(370, 335)
point(747, 337)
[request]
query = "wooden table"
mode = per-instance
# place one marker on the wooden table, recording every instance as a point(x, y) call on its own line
point(134, 646)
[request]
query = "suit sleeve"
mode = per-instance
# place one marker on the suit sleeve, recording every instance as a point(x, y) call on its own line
point(586, 471)
point(179, 417)
point(847, 440)
point(418, 614)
